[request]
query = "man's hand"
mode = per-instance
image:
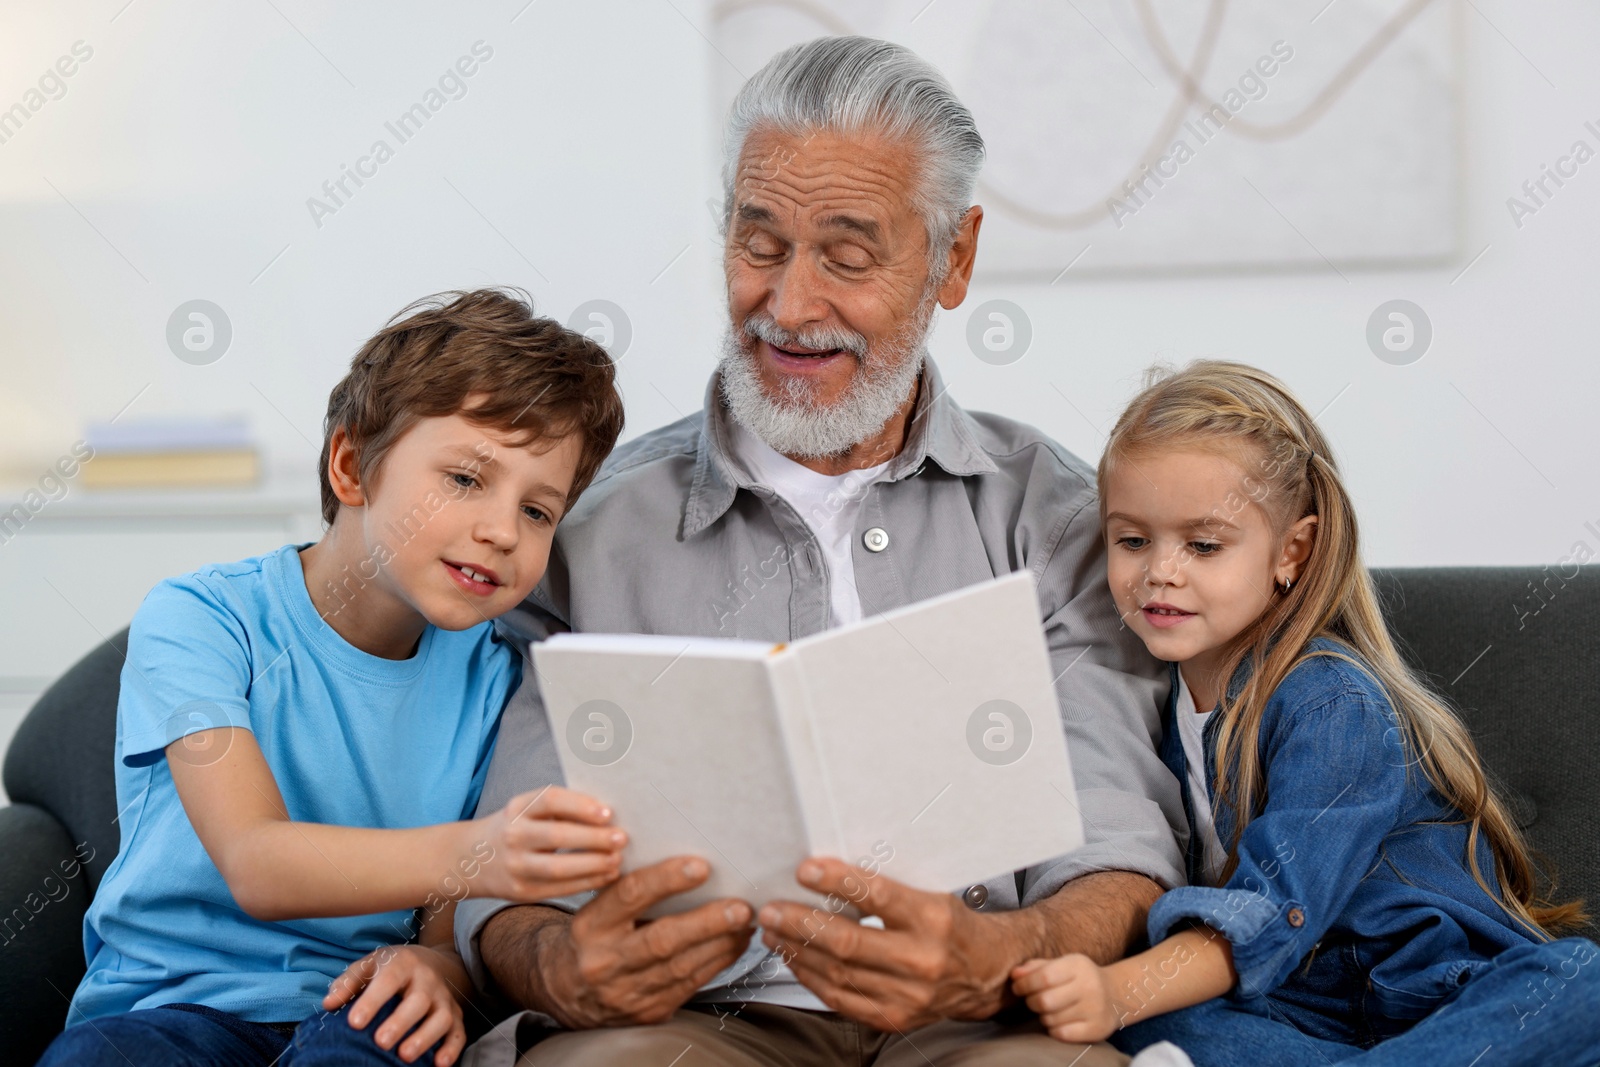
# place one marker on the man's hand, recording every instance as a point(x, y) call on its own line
point(607, 967)
point(935, 958)
point(1072, 996)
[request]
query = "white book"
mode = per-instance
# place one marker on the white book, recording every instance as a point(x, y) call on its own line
point(925, 742)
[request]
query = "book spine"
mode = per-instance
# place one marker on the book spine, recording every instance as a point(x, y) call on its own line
point(813, 792)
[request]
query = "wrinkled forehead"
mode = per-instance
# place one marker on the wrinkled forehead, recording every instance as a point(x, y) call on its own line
point(860, 181)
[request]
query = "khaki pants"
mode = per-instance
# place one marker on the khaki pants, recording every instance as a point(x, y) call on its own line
point(767, 1035)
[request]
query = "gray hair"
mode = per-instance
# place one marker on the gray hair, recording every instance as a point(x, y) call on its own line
point(851, 85)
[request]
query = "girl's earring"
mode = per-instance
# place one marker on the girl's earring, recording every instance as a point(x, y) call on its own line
point(1287, 582)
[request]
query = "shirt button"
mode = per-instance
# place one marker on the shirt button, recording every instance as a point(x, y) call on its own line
point(876, 539)
point(1297, 917)
point(976, 896)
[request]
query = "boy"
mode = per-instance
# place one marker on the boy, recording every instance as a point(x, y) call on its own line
point(303, 735)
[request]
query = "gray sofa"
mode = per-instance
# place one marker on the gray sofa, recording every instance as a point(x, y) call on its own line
point(1517, 650)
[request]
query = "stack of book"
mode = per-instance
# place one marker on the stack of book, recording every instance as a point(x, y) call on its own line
point(171, 451)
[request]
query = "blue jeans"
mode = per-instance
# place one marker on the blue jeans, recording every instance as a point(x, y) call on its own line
point(1531, 1006)
point(192, 1035)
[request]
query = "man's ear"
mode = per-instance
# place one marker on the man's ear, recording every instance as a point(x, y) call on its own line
point(1297, 544)
point(963, 253)
point(344, 470)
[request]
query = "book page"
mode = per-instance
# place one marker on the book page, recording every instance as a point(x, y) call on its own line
point(940, 738)
point(682, 740)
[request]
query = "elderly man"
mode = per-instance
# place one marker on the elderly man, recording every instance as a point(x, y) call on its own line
point(829, 477)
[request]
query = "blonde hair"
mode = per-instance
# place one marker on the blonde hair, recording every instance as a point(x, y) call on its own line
point(1248, 415)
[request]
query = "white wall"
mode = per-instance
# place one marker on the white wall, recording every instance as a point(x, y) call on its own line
point(179, 162)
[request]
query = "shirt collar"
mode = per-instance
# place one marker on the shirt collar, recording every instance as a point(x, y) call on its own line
point(1245, 668)
point(940, 431)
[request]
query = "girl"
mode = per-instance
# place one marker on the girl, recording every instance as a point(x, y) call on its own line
point(1358, 892)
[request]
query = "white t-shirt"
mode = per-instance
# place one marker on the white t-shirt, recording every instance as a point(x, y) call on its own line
point(1191, 727)
point(829, 503)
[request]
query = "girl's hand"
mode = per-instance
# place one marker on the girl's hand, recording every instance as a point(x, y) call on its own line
point(1072, 996)
point(516, 847)
point(428, 1007)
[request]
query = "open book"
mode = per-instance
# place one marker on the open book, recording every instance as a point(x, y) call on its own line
point(925, 743)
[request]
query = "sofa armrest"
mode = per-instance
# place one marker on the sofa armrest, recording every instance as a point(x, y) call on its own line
point(43, 898)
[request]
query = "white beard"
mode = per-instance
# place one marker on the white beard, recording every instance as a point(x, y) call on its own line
point(794, 423)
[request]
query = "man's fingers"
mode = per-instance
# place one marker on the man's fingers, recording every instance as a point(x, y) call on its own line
point(662, 940)
point(844, 999)
point(874, 894)
point(801, 930)
point(696, 964)
point(631, 895)
point(556, 802)
point(878, 986)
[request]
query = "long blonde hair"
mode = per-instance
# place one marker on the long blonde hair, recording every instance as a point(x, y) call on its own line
point(1249, 415)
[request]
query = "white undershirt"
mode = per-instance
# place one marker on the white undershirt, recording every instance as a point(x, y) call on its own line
point(1191, 727)
point(829, 504)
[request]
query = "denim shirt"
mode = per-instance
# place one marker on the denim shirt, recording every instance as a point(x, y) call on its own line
point(1352, 910)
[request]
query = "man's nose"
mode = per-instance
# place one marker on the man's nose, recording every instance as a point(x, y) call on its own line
point(796, 298)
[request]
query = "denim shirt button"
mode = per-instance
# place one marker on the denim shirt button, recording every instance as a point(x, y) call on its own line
point(1297, 917)
point(976, 896)
point(876, 539)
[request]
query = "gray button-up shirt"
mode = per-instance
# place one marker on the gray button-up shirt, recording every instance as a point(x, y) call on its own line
point(676, 537)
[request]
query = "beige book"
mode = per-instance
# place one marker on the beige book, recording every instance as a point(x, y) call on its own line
point(115, 470)
point(925, 743)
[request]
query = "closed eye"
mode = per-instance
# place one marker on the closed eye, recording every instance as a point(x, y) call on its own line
point(849, 258)
point(764, 246)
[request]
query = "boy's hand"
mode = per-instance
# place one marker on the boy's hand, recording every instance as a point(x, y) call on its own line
point(1072, 996)
point(428, 1007)
point(524, 865)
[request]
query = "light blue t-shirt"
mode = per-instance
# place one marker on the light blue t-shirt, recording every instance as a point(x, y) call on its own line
point(352, 739)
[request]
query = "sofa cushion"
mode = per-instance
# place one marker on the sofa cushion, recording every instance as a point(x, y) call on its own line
point(44, 897)
point(61, 758)
point(1516, 650)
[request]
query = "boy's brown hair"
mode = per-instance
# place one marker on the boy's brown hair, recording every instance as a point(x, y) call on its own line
point(531, 377)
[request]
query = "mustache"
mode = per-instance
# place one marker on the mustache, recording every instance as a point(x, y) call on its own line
point(760, 326)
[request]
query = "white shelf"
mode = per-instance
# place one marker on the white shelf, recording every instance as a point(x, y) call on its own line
point(280, 494)
point(77, 570)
